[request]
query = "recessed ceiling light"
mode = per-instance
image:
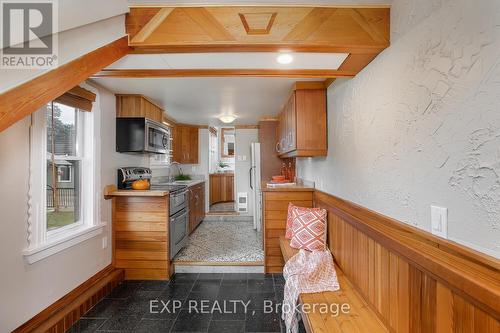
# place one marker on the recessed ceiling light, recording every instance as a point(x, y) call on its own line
point(226, 119)
point(284, 58)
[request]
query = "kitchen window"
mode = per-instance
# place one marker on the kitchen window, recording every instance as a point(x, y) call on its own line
point(63, 201)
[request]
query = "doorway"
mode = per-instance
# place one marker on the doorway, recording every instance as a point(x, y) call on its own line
point(222, 171)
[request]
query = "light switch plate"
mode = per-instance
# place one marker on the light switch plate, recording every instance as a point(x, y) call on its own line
point(104, 242)
point(439, 221)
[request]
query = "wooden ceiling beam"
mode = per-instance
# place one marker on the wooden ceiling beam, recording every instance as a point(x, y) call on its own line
point(152, 25)
point(164, 73)
point(210, 25)
point(28, 97)
point(305, 28)
point(303, 47)
point(292, 28)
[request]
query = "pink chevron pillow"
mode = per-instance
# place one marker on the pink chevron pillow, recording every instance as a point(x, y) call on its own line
point(308, 229)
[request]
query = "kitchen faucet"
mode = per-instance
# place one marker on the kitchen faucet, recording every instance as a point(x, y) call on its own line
point(179, 170)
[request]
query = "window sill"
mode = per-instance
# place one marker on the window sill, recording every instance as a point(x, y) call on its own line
point(61, 244)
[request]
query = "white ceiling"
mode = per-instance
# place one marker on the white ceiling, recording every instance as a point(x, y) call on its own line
point(258, 60)
point(262, 2)
point(201, 100)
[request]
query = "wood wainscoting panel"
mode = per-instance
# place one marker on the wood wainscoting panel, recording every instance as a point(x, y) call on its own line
point(62, 314)
point(414, 281)
point(140, 237)
point(275, 209)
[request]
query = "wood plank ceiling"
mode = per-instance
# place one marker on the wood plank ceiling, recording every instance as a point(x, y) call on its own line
point(359, 31)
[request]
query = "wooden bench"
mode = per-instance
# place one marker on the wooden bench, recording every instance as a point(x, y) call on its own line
point(360, 318)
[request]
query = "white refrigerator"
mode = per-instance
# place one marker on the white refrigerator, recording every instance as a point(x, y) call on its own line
point(255, 185)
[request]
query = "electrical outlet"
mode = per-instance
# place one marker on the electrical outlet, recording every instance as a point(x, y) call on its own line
point(104, 242)
point(439, 221)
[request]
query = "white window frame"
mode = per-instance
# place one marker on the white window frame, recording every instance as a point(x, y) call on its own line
point(42, 243)
point(70, 173)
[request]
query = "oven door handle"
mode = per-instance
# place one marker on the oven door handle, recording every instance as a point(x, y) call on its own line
point(177, 216)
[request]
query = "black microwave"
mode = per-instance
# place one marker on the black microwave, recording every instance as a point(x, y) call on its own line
point(142, 135)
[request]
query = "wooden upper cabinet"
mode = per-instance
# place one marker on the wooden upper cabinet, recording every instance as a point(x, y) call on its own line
point(303, 124)
point(132, 106)
point(185, 144)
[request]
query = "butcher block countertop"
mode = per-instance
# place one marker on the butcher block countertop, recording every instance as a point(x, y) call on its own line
point(291, 188)
point(111, 191)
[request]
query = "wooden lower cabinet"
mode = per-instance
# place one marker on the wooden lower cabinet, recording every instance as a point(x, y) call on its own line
point(196, 206)
point(275, 208)
point(221, 187)
point(140, 237)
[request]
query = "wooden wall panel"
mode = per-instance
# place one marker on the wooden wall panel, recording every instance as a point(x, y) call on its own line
point(140, 237)
point(62, 314)
point(408, 295)
point(270, 163)
point(275, 208)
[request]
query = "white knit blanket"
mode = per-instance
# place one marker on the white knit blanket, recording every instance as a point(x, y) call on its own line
point(306, 272)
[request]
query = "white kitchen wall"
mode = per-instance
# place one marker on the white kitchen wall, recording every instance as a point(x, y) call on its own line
point(31, 288)
point(244, 137)
point(420, 125)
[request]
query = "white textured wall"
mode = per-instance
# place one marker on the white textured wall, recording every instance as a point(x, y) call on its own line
point(421, 124)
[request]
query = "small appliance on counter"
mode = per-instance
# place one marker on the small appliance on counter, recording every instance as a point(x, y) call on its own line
point(134, 178)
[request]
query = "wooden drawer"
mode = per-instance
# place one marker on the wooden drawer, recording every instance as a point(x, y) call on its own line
point(280, 205)
point(289, 196)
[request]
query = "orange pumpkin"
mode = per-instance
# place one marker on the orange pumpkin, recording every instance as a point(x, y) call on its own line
point(141, 184)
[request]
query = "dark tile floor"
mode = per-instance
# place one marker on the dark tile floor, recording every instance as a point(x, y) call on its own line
point(191, 303)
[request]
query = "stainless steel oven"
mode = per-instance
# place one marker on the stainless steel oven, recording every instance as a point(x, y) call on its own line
point(178, 231)
point(178, 216)
point(136, 135)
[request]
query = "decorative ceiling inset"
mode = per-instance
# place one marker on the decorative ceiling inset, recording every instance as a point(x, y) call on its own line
point(360, 31)
point(257, 23)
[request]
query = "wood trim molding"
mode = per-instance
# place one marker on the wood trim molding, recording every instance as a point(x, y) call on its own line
point(328, 82)
point(158, 73)
point(246, 126)
point(63, 313)
point(257, 31)
point(28, 97)
point(471, 274)
point(308, 85)
point(302, 47)
point(218, 263)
